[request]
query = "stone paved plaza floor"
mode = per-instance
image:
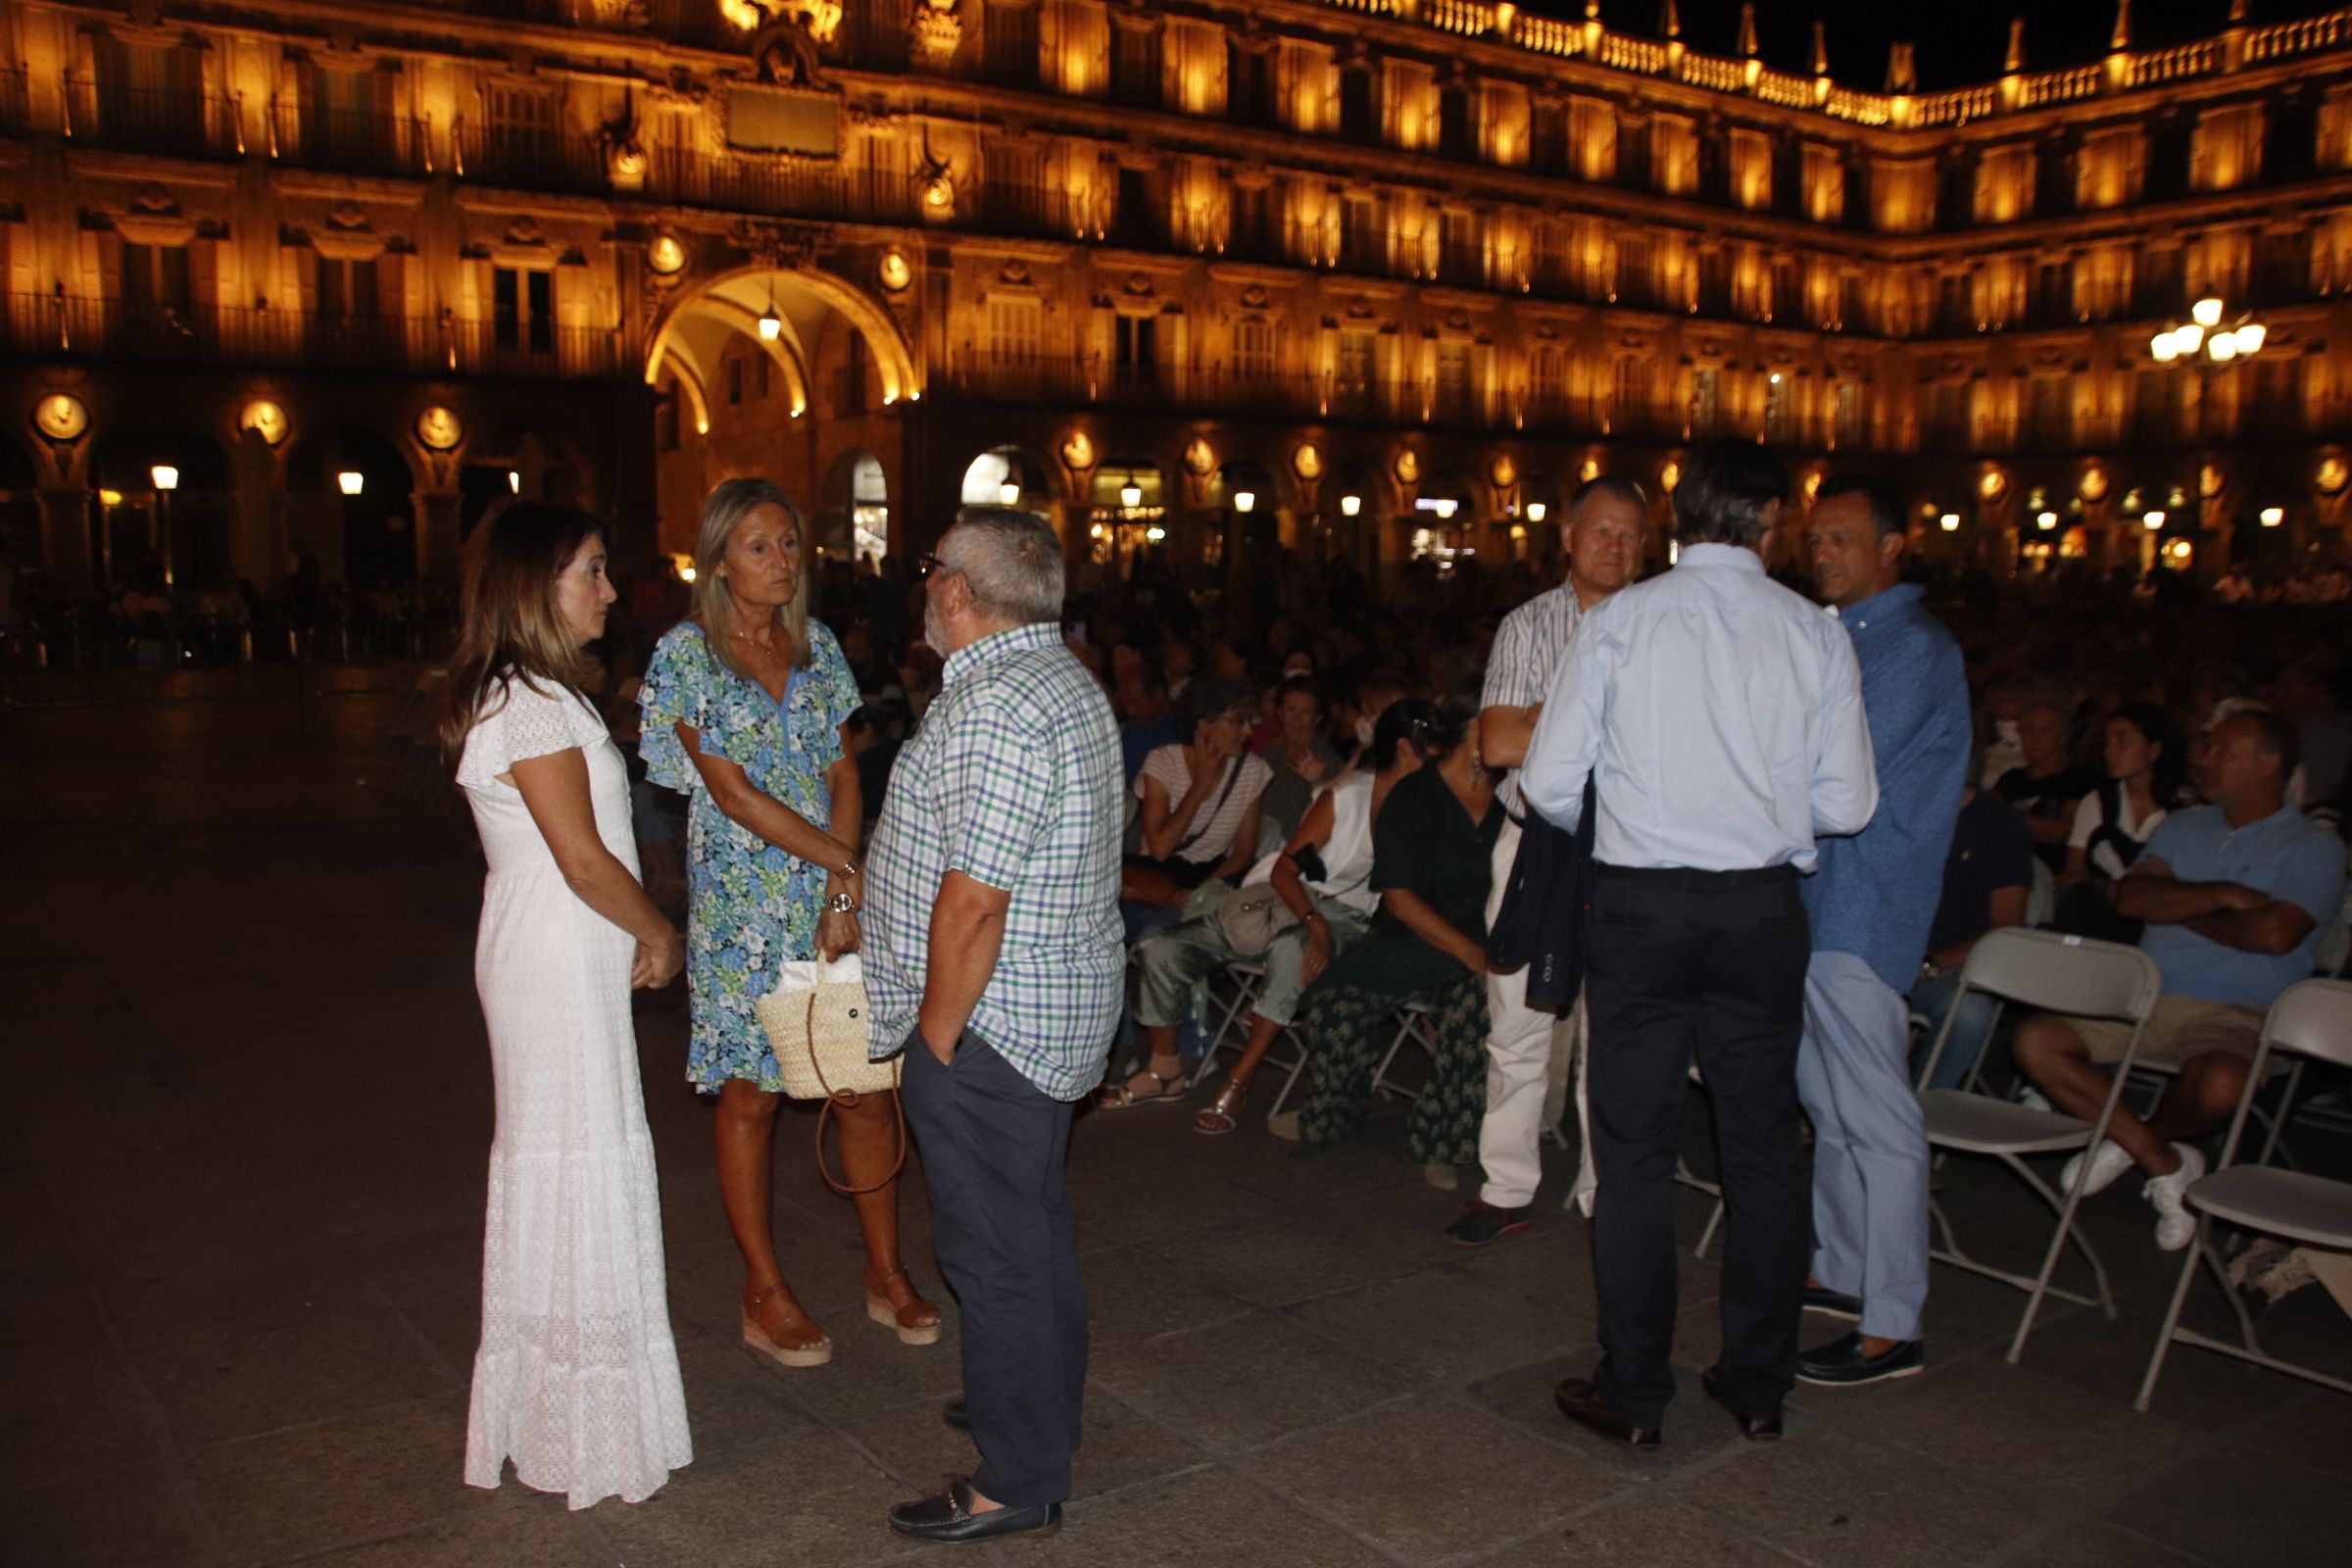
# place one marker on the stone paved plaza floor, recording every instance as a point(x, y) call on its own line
point(244, 1109)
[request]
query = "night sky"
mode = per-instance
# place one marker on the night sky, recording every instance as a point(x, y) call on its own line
point(1960, 41)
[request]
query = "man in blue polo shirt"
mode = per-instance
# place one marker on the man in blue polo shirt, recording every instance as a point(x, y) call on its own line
point(2233, 895)
point(1872, 904)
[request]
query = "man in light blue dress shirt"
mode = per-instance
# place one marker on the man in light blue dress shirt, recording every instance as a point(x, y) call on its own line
point(1720, 716)
point(1872, 904)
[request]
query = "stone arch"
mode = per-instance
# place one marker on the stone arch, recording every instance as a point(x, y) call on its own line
point(692, 332)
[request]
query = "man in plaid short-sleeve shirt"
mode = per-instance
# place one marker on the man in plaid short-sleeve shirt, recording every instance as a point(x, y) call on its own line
point(993, 959)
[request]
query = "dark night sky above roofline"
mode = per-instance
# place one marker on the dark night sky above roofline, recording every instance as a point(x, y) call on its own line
point(1961, 42)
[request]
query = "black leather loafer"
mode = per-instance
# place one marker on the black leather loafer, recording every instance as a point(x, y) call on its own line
point(1840, 1363)
point(948, 1518)
point(1580, 1402)
point(1753, 1427)
point(1832, 1304)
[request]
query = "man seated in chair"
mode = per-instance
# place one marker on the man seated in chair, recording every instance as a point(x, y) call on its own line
point(2233, 895)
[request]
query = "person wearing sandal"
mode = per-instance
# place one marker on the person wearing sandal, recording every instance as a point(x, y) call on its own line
point(1432, 855)
point(1200, 812)
point(1324, 880)
point(746, 707)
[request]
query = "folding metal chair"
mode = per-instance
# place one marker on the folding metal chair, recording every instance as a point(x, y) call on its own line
point(2054, 974)
point(1248, 978)
point(2312, 1019)
point(1412, 1024)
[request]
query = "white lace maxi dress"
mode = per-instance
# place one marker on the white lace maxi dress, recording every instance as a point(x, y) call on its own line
point(577, 1375)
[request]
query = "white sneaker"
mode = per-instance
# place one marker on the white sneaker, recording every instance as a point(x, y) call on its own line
point(2176, 1226)
point(2032, 1099)
point(2105, 1166)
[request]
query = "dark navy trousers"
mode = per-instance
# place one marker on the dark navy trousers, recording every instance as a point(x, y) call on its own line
point(992, 1146)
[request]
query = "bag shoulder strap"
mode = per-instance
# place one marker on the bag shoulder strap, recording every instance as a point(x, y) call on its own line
point(1208, 821)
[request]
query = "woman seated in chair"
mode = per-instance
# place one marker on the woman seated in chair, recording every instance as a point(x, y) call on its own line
point(1200, 811)
point(1322, 880)
point(1428, 945)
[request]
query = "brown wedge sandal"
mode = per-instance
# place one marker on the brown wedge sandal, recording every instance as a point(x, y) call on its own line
point(797, 1354)
point(898, 1305)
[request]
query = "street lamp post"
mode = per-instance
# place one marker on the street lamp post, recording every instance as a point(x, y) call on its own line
point(2211, 336)
point(167, 479)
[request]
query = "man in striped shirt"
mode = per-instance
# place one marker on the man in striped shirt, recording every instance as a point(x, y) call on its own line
point(993, 959)
point(1602, 537)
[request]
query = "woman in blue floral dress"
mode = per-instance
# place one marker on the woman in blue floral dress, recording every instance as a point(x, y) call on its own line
point(745, 707)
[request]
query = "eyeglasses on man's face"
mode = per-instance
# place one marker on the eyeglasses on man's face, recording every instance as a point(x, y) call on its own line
point(928, 567)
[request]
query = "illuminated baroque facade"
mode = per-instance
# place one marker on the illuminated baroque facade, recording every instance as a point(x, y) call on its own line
point(1358, 275)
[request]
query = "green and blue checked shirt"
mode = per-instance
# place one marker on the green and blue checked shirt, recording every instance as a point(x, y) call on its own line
point(1013, 778)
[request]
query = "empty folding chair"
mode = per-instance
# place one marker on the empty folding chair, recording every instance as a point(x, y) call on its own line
point(2053, 973)
point(2311, 1019)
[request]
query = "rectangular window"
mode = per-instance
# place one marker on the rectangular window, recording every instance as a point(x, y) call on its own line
point(2050, 412)
point(347, 290)
point(1136, 348)
point(1674, 155)
point(523, 310)
point(2005, 184)
point(1751, 168)
point(1547, 385)
point(1633, 285)
point(1631, 394)
point(2224, 151)
point(524, 125)
point(735, 379)
point(1363, 243)
point(1358, 367)
point(1135, 68)
point(1013, 330)
point(1253, 349)
point(157, 277)
point(1825, 184)
point(1845, 402)
point(1454, 378)
point(2111, 167)
point(1357, 122)
point(1777, 408)
point(1707, 400)
point(1008, 44)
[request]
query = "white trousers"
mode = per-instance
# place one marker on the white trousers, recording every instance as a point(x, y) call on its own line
point(1519, 1058)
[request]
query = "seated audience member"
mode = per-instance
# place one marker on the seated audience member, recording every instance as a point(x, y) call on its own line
point(1301, 758)
point(2233, 896)
point(1323, 878)
point(1200, 810)
point(1354, 717)
point(1181, 660)
point(2113, 823)
point(1428, 944)
point(2046, 786)
point(2303, 695)
point(1986, 874)
point(1145, 722)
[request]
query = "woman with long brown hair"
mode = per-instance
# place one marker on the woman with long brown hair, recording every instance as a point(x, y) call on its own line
point(577, 1377)
point(746, 704)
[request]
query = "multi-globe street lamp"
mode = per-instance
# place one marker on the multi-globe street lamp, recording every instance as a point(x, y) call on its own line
point(2212, 335)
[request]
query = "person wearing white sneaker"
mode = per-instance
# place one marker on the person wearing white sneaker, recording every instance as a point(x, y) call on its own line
point(2232, 895)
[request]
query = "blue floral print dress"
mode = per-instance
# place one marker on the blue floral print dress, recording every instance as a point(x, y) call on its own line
point(752, 907)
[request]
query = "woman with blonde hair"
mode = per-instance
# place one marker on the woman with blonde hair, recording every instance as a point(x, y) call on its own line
point(576, 1376)
point(747, 703)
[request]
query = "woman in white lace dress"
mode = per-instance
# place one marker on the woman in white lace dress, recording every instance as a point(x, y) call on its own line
point(576, 1379)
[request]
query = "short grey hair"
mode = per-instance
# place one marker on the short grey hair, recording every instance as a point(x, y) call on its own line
point(1011, 561)
point(1611, 487)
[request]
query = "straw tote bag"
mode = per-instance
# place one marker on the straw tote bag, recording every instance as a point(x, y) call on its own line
point(816, 1024)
